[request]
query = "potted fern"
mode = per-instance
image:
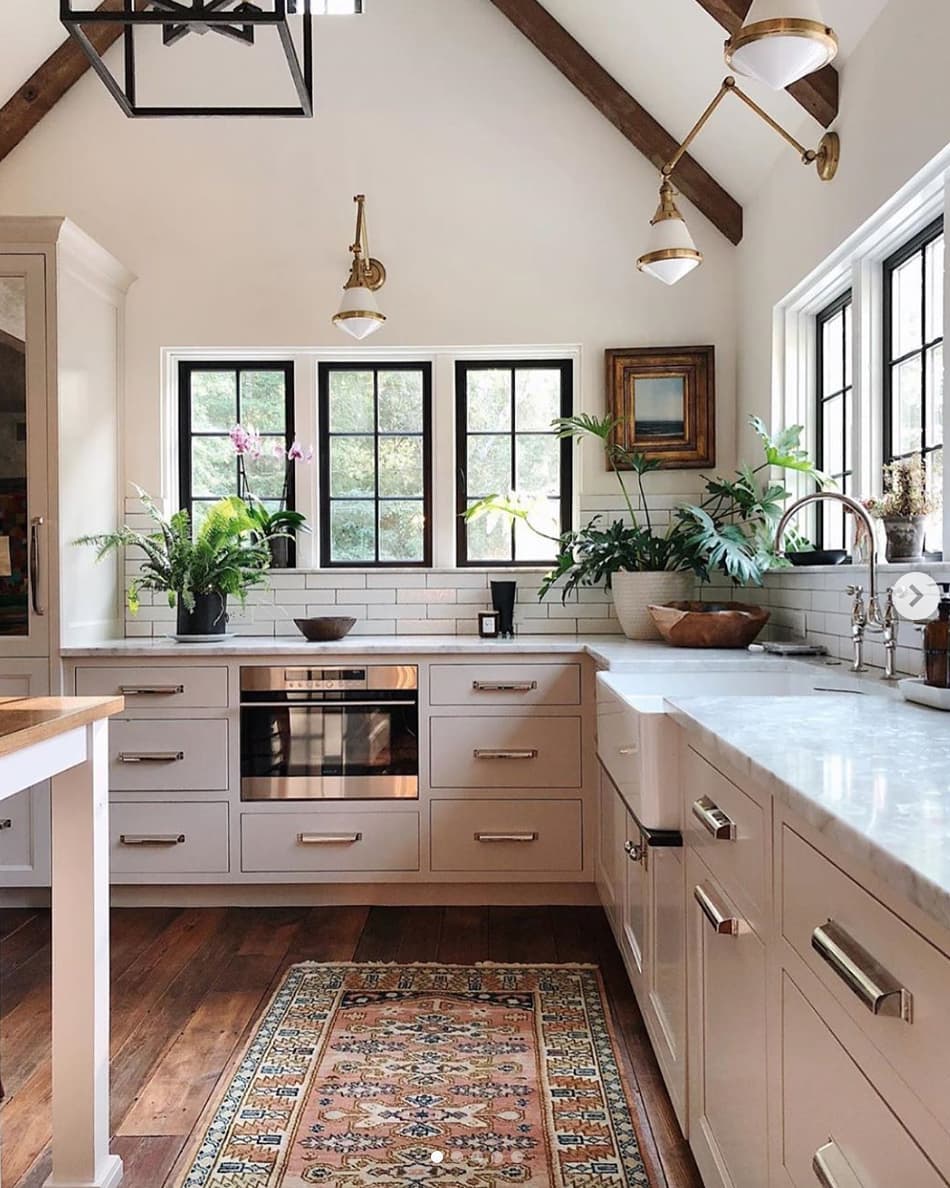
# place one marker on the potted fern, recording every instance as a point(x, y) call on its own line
point(197, 570)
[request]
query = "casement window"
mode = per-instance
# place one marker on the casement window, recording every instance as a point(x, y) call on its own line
point(835, 412)
point(913, 355)
point(504, 444)
point(375, 464)
point(213, 397)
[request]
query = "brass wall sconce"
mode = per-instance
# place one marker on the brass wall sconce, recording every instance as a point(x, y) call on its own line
point(779, 49)
point(359, 313)
point(672, 252)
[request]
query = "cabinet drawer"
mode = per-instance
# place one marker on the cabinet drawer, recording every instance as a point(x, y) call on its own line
point(505, 684)
point(618, 745)
point(276, 842)
point(509, 752)
point(829, 1106)
point(815, 891)
point(148, 754)
point(506, 835)
point(156, 688)
point(150, 838)
point(729, 830)
point(16, 832)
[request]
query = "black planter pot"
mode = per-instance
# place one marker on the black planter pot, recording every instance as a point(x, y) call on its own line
point(279, 552)
point(209, 617)
point(503, 601)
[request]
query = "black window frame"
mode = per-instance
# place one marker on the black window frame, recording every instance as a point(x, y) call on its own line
point(462, 369)
point(846, 392)
point(324, 371)
point(186, 369)
point(917, 245)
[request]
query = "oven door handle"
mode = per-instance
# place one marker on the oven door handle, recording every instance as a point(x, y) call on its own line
point(375, 706)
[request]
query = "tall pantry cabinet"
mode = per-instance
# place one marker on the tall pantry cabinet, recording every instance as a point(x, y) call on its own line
point(62, 300)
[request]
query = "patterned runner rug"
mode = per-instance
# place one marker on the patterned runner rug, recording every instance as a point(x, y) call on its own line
point(371, 1076)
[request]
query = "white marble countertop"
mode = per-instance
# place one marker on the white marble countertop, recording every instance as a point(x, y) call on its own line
point(871, 773)
point(608, 651)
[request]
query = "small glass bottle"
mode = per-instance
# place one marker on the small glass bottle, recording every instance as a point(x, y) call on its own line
point(937, 643)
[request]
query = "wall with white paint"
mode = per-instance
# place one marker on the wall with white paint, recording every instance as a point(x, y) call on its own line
point(505, 207)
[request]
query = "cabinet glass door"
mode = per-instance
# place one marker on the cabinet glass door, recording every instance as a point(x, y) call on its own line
point(23, 441)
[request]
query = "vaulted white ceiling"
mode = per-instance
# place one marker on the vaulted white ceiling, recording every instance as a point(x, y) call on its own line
point(668, 55)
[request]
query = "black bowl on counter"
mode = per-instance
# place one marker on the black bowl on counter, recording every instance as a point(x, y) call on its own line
point(325, 628)
point(821, 557)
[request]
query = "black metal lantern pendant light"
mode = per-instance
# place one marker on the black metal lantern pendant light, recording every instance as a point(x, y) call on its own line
point(240, 21)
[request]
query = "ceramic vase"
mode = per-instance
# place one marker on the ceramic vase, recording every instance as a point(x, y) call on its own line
point(905, 537)
point(634, 592)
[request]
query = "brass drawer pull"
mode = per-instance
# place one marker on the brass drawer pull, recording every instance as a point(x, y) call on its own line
point(152, 839)
point(526, 754)
point(504, 686)
point(328, 839)
point(151, 756)
point(627, 750)
point(879, 990)
point(714, 820)
point(831, 1168)
point(722, 922)
point(150, 690)
point(506, 837)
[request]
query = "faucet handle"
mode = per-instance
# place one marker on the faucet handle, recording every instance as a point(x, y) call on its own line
point(854, 591)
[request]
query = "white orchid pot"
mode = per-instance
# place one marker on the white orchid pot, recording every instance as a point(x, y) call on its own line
point(634, 592)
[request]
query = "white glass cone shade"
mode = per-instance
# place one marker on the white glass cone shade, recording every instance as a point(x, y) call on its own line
point(671, 252)
point(359, 313)
point(781, 41)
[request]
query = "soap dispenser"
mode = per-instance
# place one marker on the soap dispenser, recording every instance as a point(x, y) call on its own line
point(937, 643)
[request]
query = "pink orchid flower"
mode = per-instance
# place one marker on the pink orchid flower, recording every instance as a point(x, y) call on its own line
point(297, 453)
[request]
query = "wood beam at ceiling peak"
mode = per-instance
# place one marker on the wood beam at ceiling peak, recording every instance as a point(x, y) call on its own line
point(818, 93)
point(46, 86)
point(617, 105)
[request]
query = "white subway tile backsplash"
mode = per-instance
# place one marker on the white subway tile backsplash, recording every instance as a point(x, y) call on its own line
point(426, 596)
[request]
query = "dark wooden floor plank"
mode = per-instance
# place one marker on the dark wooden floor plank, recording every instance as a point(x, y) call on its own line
point(381, 936)
point(189, 986)
point(464, 939)
point(420, 934)
point(12, 919)
point(521, 934)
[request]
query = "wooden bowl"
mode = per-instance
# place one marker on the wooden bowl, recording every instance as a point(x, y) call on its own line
point(709, 624)
point(324, 629)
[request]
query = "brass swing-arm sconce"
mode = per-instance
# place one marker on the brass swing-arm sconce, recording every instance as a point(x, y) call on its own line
point(359, 312)
point(672, 252)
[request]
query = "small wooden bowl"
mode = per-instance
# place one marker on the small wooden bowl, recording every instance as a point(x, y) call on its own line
point(324, 629)
point(709, 624)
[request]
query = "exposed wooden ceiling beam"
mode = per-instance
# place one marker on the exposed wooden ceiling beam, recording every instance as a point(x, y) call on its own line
point(818, 93)
point(623, 111)
point(44, 89)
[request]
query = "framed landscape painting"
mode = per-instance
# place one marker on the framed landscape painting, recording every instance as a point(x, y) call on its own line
point(664, 399)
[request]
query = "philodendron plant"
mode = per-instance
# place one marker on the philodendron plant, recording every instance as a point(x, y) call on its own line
point(730, 530)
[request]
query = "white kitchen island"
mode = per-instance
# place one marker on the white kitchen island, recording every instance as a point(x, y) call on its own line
point(65, 739)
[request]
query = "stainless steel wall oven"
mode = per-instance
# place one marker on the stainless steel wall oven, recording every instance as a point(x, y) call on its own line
point(330, 733)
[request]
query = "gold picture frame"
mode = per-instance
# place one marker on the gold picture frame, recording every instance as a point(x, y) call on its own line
point(664, 400)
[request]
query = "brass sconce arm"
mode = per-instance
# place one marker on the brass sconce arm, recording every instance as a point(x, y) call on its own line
point(825, 157)
point(366, 272)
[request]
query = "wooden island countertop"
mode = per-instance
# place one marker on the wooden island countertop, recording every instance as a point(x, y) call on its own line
point(28, 720)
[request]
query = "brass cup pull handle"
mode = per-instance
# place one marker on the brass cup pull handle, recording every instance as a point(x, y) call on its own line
point(718, 917)
point(39, 607)
point(150, 690)
point(877, 989)
point(714, 820)
point(525, 754)
point(504, 686)
point(328, 839)
point(151, 756)
point(506, 837)
point(831, 1168)
point(152, 839)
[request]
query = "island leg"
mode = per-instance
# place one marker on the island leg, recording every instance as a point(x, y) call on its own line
point(80, 827)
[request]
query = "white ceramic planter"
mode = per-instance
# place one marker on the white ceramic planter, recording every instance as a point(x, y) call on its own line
point(634, 592)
